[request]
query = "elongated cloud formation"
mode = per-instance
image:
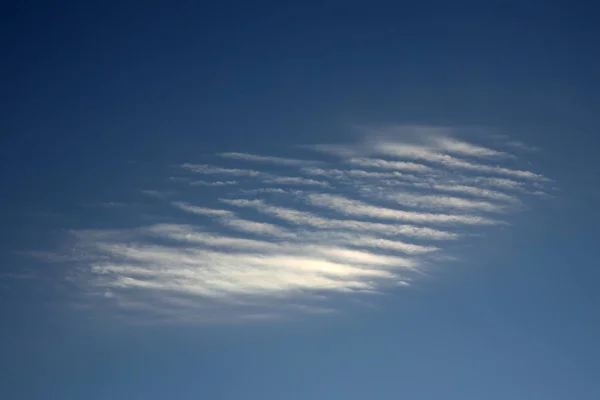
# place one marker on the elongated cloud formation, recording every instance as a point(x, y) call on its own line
point(444, 202)
point(212, 170)
point(426, 154)
point(270, 159)
point(312, 220)
point(393, 165)
point(357, 208)
point(215, 183)
point(255, 243)
point(296, 180)
point(460, 147)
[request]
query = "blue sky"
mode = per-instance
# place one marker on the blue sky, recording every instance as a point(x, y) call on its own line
point(282, 200)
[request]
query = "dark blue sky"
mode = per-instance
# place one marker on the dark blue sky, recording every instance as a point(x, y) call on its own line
point(139, 261)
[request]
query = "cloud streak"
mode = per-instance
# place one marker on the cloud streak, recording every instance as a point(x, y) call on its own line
point(212, 170)
point(393, 165)
point(270, 159)
point(360, 209)
point(443, 202)
point(306, 218)
point(425, 154)
point(296, 181)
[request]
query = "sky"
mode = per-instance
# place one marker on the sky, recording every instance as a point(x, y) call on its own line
point(299, 200)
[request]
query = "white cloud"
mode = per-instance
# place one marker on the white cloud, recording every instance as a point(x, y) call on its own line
point(358, 208)
point(306, 218)
point(258, 228)
point(187, 234)
point(218, 275)
point(460, 147)
point(423, 153)
point(461, 188)
point(501, 183)
point(269, 190)
point(157, 193)
point(202, 210)
point(358, 174)
point(394, 165)
point(211, 170)
point(441, 202)
point(296, 180)
point(504, 140)
point(357, 224)
point(216, 183)
point(521, 146)
point(474, 191)
point(348, 239)
point(351, 256)
point(228, 218)
point(270, 159)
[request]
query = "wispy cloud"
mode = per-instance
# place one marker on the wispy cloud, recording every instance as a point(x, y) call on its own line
point(229, 218)
point(506, 141)
point(257, 244)
point(453, 187)
point(443, 202)
point(452, 145)
point(306, 218)
point(270, 159)
point(257, 228)
point(265, 177)
point(426, 154)
point(190, 234)
point(357, 208)
point(395, 165)
point(353, 174)
point(212, 170)
point(159, 194)
point(521, 146)
point(202, 210)
point(473, 191)
point(215, 183)
point(296, 180)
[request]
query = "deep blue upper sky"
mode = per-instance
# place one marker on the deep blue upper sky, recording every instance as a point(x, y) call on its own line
point(103, 103)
